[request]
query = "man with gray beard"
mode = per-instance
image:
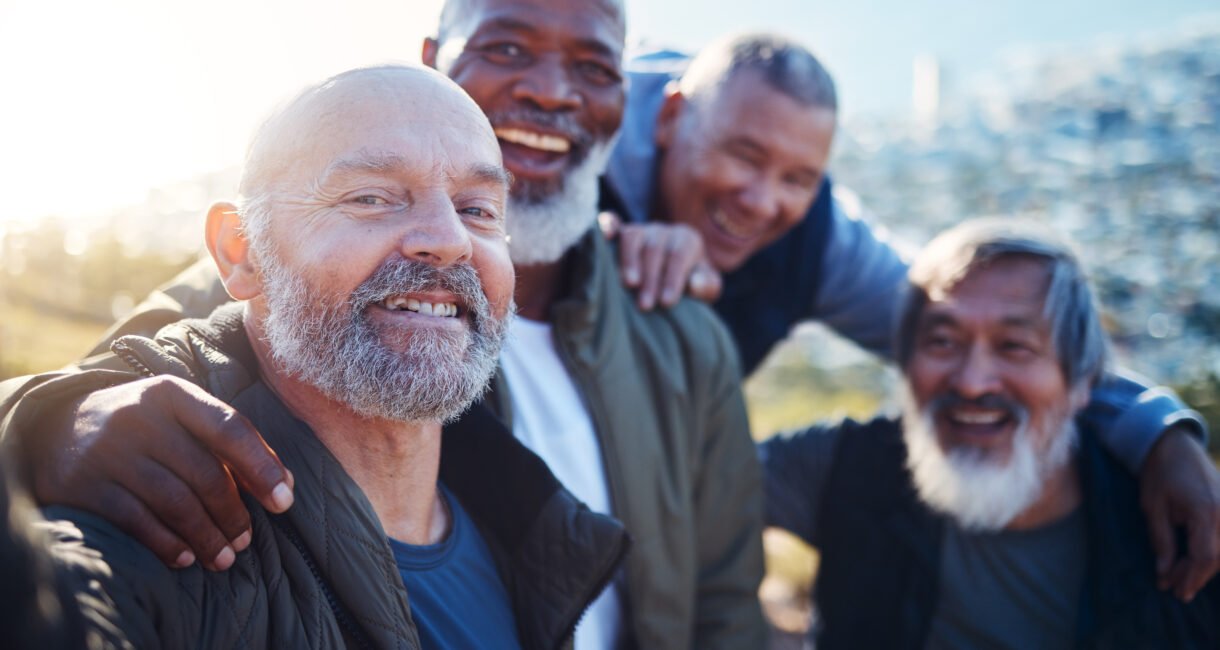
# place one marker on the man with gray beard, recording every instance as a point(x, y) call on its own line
point(987, 516)
point(368, 258)
point(639, 414)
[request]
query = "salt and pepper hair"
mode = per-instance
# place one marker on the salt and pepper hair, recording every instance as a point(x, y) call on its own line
point(1076, 331)
point(784, 64)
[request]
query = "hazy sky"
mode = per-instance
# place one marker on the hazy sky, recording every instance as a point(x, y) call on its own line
point(104, 99)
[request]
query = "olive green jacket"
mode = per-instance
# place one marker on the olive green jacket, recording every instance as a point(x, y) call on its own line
point(663, 391)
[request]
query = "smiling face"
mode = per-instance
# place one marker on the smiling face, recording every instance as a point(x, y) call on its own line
point(984, 360)
point(741, 166)
point(549, 77)
point(547, 74)
point(378, 243)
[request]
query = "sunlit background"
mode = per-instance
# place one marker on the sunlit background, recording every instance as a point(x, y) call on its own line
point(121, 120)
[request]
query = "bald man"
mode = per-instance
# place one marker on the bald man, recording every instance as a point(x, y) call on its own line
point(374, 283)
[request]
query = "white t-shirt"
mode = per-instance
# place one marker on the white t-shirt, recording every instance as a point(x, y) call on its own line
point(550, 418)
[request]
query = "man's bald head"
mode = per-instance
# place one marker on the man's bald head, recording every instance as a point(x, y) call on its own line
point(453, 11)
point(353, 99)
point(373, 191)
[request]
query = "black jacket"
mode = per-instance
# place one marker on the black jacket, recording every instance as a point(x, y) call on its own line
point(880, 561)
point(322, 574)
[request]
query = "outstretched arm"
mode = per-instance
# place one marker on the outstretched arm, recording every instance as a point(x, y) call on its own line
point(1148, 428)
point(1152, 432)
point(795, 469)
point(159, 457)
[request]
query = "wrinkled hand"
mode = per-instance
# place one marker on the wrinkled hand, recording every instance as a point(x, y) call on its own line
point(1179, 486)
point(662, 260)
point(159, 458)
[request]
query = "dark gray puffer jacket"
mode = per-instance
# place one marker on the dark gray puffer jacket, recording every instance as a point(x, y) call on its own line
point(322, 575)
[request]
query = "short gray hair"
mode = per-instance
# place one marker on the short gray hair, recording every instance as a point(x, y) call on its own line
point(1077, 334)
point(783, 63)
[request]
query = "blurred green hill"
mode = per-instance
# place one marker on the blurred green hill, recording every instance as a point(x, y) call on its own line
point(61, 287)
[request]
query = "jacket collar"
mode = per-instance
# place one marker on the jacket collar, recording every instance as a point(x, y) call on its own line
point(534, 526)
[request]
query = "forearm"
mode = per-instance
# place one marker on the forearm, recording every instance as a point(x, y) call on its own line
point(860, 284)
point(1130, 416)
point(795, 469)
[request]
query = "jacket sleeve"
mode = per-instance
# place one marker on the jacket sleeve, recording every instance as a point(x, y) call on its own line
point(860, 287)
point(24, 401)
point(1130, 416)
point(27, 402)
point(795, 469)
point(728, 511)
point(126, 597)
point(39, 605)
point(193, 293)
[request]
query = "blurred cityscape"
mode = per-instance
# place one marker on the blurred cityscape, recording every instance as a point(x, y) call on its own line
point(1118, 147)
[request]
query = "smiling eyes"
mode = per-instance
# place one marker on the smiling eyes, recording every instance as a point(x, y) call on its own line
point(945, 344)
point(375, 201)
point(590, 69)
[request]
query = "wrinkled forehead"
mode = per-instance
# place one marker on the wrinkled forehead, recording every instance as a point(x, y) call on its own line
point(395, 112)
point(1000, 291)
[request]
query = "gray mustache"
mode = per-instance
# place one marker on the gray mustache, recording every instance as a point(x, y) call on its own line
point(399, 275)
point(561, 122)
point(990, 401)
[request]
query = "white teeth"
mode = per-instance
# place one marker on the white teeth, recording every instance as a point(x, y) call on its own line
point(720, 219)
point(443, 309)
point(978, 417)
point(534, 140)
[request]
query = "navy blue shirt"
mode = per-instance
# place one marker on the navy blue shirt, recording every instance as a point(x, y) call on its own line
point(457, 597)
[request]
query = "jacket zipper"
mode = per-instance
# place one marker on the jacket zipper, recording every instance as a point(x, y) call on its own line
point(342, 616)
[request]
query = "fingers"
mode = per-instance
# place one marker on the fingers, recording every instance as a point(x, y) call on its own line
point(1180, 487)
point(656, 255)
point(196, 496)
point(706, 284)
point(131, 516)
point(230, 436)
point(1203, 553)
point(682, 259)
point(1160, 531)
point(150, 457)
point(609, 222)
point(178, 508)
point(630, 247)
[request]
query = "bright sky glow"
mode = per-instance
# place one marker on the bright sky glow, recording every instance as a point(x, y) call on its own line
point(105, 100)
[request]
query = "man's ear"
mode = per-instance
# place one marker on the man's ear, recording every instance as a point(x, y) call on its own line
point(227, 243)
point(672, 107)
point(428, 55)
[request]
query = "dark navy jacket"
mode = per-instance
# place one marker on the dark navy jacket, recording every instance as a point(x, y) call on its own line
point(878, 576)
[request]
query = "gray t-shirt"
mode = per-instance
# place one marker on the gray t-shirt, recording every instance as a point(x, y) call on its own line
point(1010, 589)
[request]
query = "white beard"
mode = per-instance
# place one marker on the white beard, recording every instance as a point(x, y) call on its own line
point(976, 491)
point(540, 232)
